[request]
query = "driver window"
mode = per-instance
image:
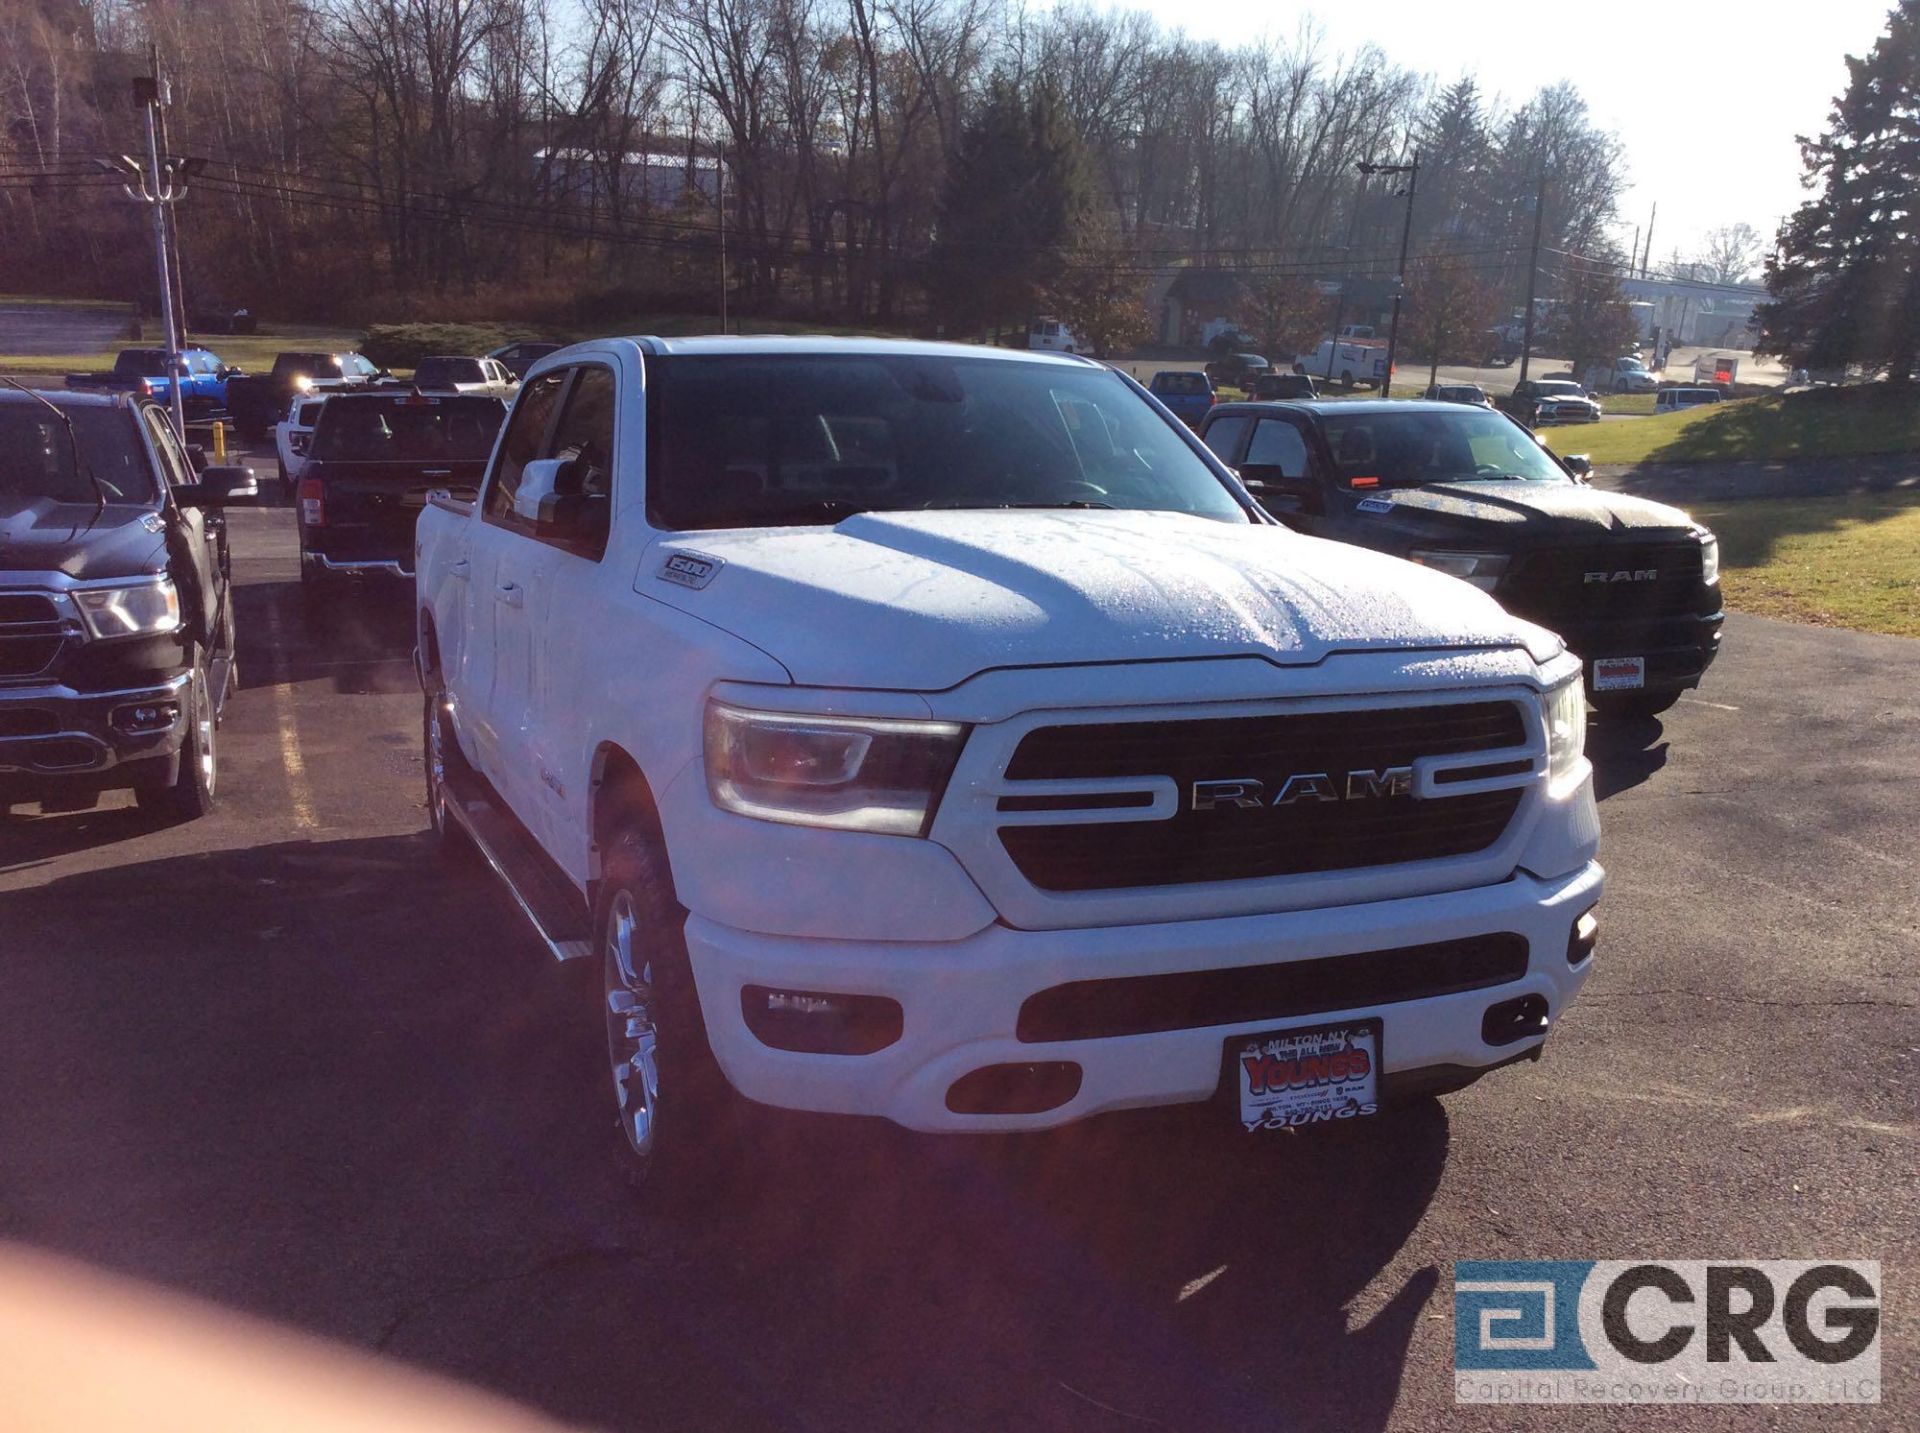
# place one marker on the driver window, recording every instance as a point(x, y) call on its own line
point(1278, 444)
point(173, 462)
point(584, 444)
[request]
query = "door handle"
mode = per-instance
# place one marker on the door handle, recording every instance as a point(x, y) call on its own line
point(460, 569)
point(511, 593)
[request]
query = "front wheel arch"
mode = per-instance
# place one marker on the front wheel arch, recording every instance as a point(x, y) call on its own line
point(620, 795)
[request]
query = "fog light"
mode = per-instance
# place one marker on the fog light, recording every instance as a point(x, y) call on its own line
point(1015, 1089)
point(1584, 936)
point(1512, 1020)
point(813, 1022)
point(145, 716)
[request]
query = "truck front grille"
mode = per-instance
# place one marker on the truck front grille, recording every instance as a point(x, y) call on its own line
point(1230, 842)
point(30, 633)
point(1564, 588)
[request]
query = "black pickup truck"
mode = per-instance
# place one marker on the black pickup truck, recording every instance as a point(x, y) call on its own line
point(1632, 585)
point(257, 403)
point(373, 460)
point(116, 617)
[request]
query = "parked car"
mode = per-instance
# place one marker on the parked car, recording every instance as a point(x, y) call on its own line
point(941, 733)
point(147, 372)
point(257, 403)
point(373, 460)
point(1237, 370)
point(1186, 393)
point(1542, 401)
point(1049, 335)
point(1469, 393)
point(519, 357)
point(448, 373)
point(292, 436)
point(116, 614)
point(1282, 385)
point(1632, 585)
point(1352, 363)
point(1678, 400)
point(1627, 374)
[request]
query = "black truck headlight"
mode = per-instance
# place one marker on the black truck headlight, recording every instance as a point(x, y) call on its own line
point(1709, 558)
point(1483, 569)
point(850, 773)
point(138, 609)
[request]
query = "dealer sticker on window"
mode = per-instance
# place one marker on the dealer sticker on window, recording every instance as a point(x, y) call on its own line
point(1619, 674)
point(1308, 1076)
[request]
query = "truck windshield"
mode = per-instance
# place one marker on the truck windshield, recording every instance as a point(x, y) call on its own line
point(36, 459)
point(402, 430)
point(766, 440)
point(445, 372)
point(289, 366)
point(1411, 448)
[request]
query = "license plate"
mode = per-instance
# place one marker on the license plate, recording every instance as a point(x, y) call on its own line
point(1619, 674)
point(1313, 1075)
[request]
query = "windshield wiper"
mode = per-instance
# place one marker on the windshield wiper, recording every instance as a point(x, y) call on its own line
point(1008, 507)
point(73, 439)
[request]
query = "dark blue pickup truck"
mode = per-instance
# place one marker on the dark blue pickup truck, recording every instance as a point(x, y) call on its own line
point(145, 372)
point(1187, 393)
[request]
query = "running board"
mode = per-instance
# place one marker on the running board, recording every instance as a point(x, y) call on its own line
point(541, 890)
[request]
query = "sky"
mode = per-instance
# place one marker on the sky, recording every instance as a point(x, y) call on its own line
point(1706, 98)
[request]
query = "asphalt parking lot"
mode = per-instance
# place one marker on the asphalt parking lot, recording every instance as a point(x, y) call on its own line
point(287, 1061)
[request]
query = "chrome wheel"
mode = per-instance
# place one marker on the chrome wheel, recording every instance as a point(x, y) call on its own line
point(436, 766)
point(632, 1037)
point(204, 725)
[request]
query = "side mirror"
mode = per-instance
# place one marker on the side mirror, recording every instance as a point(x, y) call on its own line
point(218, 488)
point(1278, 492)
point(1580, 465)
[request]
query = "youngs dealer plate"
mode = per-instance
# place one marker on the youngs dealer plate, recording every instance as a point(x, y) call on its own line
point(1312, 1075)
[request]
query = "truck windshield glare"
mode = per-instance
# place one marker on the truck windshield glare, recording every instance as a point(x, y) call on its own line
point(36, 459)
point(1418, 446)
point(794, 439)
point(376, 430)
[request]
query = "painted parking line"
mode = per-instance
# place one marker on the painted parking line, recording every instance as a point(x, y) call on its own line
point(299, 789)
point(1717, 706)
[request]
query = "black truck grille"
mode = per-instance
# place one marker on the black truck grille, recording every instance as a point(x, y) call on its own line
point(1194, 999)
point(30, 633)
point(1565, 588)
point(1231, 842)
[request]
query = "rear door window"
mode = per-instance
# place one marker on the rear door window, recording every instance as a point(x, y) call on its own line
point(1278, 444)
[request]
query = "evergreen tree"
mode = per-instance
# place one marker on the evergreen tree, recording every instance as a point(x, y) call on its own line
point(1016, 196)
point(1846, 279)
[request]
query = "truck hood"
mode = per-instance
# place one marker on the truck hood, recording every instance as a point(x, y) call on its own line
point(1506, 514)
point(39, 535)
point(923, 601)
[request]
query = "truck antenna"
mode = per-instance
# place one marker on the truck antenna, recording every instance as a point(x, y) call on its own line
point(73, 439)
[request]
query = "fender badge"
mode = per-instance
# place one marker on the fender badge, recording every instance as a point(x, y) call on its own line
point(689, 569)
point(1375, 505)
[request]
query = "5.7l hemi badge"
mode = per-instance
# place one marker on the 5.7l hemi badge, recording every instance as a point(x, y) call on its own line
point(689, 569)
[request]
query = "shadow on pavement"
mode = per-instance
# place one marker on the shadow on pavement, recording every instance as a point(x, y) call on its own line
point(365, 1104)
point(358, 639)
point(1625, 752)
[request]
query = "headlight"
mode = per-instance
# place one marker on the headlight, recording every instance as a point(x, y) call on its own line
point(1709, 557)
point(1564, 710)
point(303, 383)
point(850, 773)
point(141, 610)
point(1482, 569)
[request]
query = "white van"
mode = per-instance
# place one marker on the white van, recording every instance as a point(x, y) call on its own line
point(1675, 400)
point(1049, 335)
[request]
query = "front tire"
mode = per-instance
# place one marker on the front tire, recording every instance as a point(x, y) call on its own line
point(672, 1102)
point(190, 795)
point(441, 754)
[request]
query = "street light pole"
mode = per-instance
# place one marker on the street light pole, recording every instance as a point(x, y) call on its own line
point(1412, 171)
point(1533, 275)
point(158, 197)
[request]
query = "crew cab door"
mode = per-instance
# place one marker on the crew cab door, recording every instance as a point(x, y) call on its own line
point(493, 672)
point(196, 537)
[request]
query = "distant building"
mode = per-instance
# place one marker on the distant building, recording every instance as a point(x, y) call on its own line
point(648, 179)
point(1699, 315)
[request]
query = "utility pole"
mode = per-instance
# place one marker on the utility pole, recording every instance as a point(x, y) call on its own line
point(173, 229)
point(1412, 171)
point(720, 213)
point(150, 91)
point(1646, 261)
point(1533, 273)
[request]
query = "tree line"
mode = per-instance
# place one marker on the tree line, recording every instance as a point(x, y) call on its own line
point(927, 163)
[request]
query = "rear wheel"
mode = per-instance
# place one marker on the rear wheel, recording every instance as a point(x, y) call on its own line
point(440, 750)
point(190, 794)
point(1630, 706)
point(673, 1104)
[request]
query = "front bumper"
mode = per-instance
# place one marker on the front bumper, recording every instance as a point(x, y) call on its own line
point(961, 1001)
point(54, 733)
point(1678, 650)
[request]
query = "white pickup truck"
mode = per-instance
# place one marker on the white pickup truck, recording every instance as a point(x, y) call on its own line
point(942, 733)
